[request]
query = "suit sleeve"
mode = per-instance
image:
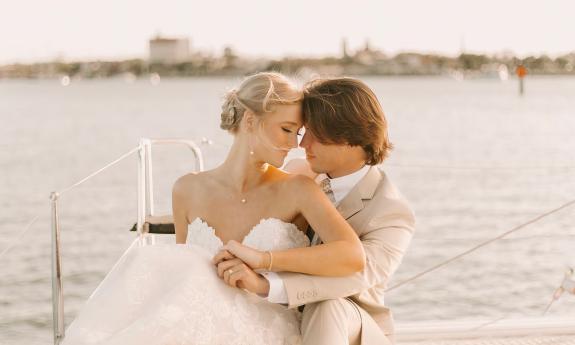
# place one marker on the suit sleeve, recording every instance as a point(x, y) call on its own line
point(385, 239)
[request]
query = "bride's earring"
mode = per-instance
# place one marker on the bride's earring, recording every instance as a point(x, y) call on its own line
point(251, 145)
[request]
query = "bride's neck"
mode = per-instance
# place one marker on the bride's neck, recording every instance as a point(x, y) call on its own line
point(241, 169)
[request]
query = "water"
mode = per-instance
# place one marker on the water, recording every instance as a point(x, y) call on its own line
point(473, 158)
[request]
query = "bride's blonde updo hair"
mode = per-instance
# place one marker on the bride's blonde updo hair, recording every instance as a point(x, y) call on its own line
point(258, 93)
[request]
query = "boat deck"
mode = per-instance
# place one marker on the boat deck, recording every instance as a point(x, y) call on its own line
point(510, 332)
point(523, 340)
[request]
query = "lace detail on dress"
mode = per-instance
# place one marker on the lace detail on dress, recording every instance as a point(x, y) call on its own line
point(268, 234)
point(275, 234)
point(202, 234)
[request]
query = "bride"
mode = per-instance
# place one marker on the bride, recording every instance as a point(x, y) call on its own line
point(168, 294)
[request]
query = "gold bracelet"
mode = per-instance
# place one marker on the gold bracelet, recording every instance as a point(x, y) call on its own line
point(271, 260)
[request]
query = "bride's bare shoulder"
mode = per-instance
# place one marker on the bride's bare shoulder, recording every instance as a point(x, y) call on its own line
point(191, 184)
point(295, 183)
point(299, 166)
point(298, 175)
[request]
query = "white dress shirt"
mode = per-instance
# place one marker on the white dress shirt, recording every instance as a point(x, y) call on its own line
point(340, 187)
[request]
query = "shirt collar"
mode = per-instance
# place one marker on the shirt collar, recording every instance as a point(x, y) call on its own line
point(343, 184)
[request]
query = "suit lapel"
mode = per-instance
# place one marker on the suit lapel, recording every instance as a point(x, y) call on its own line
point(352, 203)
point(363, 190)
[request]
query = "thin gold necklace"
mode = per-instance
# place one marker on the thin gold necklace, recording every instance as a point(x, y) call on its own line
point(244, 200)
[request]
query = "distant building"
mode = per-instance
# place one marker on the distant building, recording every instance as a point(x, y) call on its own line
point(369, 56)
point(344, 52)
point(169, 50)
point(230, 58)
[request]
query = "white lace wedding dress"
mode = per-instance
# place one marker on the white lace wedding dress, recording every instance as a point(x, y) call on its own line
point(170, 294)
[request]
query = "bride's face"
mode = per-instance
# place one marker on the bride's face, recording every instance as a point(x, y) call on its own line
point(276, 133)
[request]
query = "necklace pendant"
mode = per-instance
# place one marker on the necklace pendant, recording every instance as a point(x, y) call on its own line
point(244, 201)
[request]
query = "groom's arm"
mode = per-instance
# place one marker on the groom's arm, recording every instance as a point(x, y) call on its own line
point(385, 241)
point(277, 292)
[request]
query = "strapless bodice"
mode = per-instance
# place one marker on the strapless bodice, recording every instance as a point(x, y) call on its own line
point(268, 234)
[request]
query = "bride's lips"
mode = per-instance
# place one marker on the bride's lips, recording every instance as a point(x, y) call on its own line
point(308, 156)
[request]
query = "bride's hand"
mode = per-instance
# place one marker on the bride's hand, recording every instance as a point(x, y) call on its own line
point(254, 258)
point(236, 273)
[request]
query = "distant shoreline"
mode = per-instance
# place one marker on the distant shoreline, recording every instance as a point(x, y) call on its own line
point(363, 63)
point(146, 79)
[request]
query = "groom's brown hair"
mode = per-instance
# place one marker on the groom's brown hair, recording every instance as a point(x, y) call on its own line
point(345, 111)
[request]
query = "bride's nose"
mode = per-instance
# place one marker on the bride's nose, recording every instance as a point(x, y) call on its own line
point(293, 143)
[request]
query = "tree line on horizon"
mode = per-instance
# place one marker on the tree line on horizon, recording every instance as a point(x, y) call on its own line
point(364, 62)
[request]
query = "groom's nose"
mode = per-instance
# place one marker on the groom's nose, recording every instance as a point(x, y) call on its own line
point(305, 141)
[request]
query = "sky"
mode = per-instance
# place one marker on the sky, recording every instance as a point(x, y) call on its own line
point(40, 30)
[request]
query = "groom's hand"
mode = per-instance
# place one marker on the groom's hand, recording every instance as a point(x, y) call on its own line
point(238, 274)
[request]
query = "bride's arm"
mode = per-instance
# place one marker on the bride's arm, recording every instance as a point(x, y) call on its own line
point(341, 253)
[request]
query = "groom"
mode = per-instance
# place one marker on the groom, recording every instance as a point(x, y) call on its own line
point(346, 137)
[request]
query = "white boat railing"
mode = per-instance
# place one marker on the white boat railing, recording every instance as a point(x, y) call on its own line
point(145, 209)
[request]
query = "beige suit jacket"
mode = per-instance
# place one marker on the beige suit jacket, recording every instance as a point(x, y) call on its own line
point(385, 223)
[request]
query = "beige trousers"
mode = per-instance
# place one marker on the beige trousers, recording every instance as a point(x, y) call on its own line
point(331, 322)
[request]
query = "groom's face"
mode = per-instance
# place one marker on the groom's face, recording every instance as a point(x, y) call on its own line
point(324, 158)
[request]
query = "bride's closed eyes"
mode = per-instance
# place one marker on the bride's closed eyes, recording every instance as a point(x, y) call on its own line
point(299, 131)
